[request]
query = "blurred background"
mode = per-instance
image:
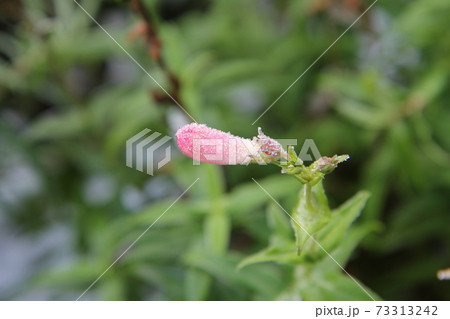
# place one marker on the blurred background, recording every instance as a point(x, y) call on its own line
point(70, 98)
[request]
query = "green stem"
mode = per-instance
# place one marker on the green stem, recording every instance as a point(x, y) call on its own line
point(310, 214)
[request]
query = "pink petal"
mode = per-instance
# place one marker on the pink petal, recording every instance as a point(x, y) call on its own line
point(209, 145)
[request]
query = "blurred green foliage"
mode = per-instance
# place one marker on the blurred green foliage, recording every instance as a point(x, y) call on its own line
point(70, 98)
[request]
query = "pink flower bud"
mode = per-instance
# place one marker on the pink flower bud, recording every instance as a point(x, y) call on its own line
point(209, 145)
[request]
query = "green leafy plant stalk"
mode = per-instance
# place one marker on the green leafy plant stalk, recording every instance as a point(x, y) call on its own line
point(324, 238)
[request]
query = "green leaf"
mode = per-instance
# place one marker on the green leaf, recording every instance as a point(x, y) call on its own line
point(58, 127)
point(286, 253)
point(217, 223)
point(223, 270)
point(279, 224)
point(333, 233)
point(344, 250)
point(247, 197)
point(197, 284)
point(334, 286)
point(314, 282)
point(165, 277)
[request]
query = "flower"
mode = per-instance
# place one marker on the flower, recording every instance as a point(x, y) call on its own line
point(269, 149)
point(208, 145)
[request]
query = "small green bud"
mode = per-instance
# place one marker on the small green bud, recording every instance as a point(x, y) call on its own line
point(293, 156)
point(326, 165)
